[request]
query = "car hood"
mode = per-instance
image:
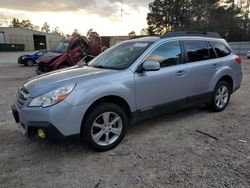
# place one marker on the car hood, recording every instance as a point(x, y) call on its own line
point(47, 82)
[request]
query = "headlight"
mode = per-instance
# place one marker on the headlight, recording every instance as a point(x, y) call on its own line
point(52, 97)
point(23, 57)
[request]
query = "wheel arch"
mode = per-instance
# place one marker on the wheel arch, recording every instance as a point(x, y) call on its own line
point(229, 80)
point(121, 102)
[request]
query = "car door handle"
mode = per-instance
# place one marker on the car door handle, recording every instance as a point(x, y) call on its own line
point(181, 73)
point(214, 66)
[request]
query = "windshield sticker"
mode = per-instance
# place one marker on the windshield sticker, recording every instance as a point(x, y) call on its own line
point(142, 45)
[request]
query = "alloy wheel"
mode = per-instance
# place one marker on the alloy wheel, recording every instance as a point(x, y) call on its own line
point(106, 128)
point(222, 96)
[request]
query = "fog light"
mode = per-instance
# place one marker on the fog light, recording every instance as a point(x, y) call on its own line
point(41, 133)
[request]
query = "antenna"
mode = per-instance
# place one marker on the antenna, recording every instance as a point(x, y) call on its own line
point(121, 11)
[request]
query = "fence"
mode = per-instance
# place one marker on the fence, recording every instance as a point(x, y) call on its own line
point(240, 48)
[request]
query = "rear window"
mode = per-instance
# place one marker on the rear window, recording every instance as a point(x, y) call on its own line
point(197, 50)
point(221, 49)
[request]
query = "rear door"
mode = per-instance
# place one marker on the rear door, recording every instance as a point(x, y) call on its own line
point(201, 66)
point(167, 85)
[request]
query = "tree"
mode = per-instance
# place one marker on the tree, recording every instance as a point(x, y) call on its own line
point(228, 17)
point(3, 20)
point(15, 23)
point(167, 15)
point(75, 32)
point(56, 31)
point(132, 33)
point(25, 24)
point(45, 27)
point(144, 31)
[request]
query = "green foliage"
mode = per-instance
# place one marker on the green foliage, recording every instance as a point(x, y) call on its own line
point(228, 18)
point(132, 33)
point(25, 24)
point(144, 31)
point(45, 28)
point(3, 20)
point(56, 31)
point(75, 32)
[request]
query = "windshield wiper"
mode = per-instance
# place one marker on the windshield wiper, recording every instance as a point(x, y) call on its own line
point(100, 66)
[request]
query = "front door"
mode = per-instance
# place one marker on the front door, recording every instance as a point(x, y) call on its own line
point(165, 86)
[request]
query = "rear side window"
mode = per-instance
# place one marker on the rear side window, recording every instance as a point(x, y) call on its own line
point(221, 49)
point(197, 50)
point(167, 54)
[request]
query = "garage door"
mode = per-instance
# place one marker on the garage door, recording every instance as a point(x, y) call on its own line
point(39, 42)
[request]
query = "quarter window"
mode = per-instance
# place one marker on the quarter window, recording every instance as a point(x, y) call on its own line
point(221, 49)
point(198, 50)
point(167, 54)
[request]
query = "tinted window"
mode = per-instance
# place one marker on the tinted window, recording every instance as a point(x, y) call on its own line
point(197, 50)
point(167, 54)
point(211, 51)
point(39, 53)
point(221, 49)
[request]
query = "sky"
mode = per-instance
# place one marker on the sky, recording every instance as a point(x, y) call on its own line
point(104, 16)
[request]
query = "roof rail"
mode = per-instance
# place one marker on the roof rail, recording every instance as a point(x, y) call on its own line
point(191, 33)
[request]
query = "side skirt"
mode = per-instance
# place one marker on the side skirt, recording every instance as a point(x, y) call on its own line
point(174, 106)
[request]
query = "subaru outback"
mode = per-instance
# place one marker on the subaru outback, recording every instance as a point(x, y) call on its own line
point(132, 81)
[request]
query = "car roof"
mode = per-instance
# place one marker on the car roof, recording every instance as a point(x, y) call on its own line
point(146, 39)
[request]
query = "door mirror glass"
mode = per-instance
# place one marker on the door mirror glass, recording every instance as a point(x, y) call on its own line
point(150, 65)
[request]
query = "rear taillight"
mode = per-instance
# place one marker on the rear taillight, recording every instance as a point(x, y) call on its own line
point(238, 60)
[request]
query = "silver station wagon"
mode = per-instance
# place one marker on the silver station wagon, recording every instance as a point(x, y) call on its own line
point(132, 81)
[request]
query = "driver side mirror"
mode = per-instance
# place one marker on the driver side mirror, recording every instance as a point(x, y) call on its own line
point(150, 65)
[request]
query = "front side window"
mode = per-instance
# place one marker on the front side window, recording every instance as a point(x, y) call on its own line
point(40, 53)
point(197, 50)
point(120, 56)
point(221, 49)
point(167, 54)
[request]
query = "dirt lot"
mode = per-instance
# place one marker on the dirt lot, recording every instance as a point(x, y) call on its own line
point(162, 152)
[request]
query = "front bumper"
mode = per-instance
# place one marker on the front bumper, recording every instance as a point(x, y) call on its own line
point(20, 61)
point(60, 121)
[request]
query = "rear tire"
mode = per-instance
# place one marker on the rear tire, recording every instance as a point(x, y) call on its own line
point(104, 127)
point(220, 96)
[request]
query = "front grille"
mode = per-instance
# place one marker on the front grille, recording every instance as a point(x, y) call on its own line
point(22, 95)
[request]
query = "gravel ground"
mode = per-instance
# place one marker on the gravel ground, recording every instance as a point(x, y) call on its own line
point(161, 152)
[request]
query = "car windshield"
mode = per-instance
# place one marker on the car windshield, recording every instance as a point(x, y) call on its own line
point(62, 46)
point(120, 56)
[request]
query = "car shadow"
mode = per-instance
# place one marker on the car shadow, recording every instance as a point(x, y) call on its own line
point(76, 146)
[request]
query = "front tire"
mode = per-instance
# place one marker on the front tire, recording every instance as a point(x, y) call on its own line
point(29, 63)
point(104, 127)
point(220, 96)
